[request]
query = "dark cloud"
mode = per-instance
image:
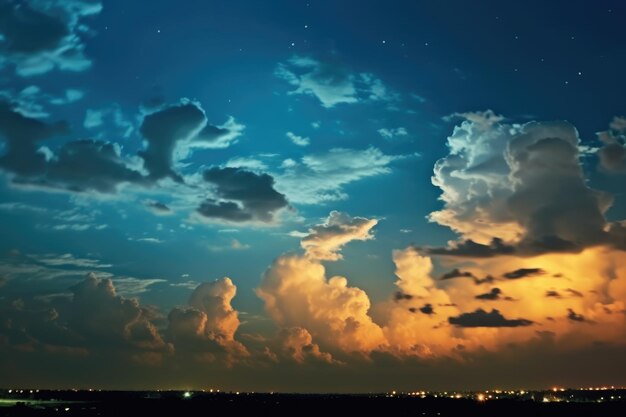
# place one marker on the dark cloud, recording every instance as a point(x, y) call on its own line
point(427, 309)
point(573, 316)
point(162, 130)
point(456, 273)
point(104, 318)
point(574, 293)
point(481, 318)
point(246, 196)
point(22, 135)
point(613, 153)
point(399, 296)
point(158, 207)
point(523, 273)
point(90, 165)
point(93, 321)
point(487, 280)
point(473, 249)
point(39, 36)
point(494, 294)
point(552, 293)
point(77, 166)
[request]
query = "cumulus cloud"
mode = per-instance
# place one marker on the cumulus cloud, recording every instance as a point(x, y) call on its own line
point(244, 196)
point(101, 316)
point(319, 178)
point(297, 292)
point(209, 324)
point(482, 318)
point(40, 36)
point(613, 152)
point(331, 83)
point(518, 188)
point(297, 343)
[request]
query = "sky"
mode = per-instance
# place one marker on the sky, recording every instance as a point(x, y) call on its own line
point(312, 196)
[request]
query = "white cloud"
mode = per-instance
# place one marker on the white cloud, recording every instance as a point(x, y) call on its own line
point(332, 84)
point(391, 133)
point(298, 140)
point(320, 178)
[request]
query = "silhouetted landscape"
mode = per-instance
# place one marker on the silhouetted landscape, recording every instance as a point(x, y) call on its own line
point(556, 402)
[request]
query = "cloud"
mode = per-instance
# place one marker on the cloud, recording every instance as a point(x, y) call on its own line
point(133, 286)
point(163, 129)
point(78, 166)
point(209, 324)
point(40, 36)
point(158, 207)
point(104, 318)
point(472, 249)
point(68, 259)
point(22, 134)
point(95, 120)
point(297, 292)
point(298, 140)
point(173, 133)
point(219, 136)
point(456, 273)
point(492, 295)
point(518, 188)
point(427, 309)
point(32, 102)
point(573, 316)
point(319, 178)
point(297, 344)
point(613, 152)
point(325, 240)
point(233, 244)
point(524, 272)
point(244, 196)
point(252, 164)
point(392, 133)
point(331, 83)
point(85, 165)
point(481, 318)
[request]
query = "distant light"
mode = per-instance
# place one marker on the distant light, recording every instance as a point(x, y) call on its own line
point(187, 394)
point(67, 409)
point(480, 397)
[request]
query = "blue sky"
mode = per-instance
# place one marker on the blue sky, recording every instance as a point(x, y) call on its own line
point(166, 146)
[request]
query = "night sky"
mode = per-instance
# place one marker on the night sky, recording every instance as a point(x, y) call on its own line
point(312, 195)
